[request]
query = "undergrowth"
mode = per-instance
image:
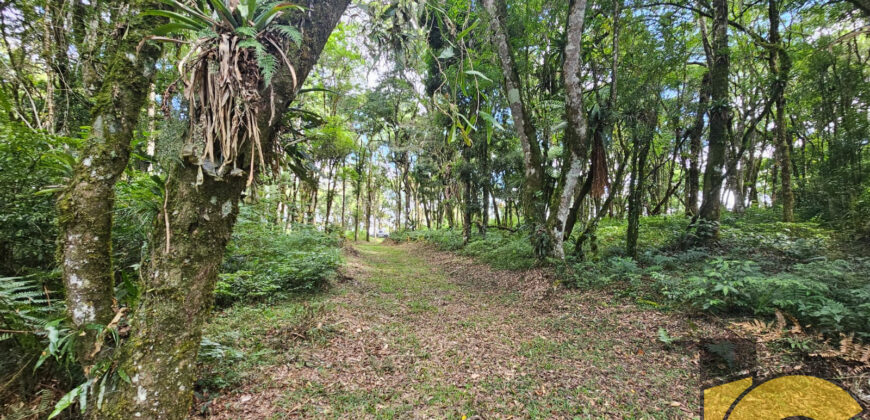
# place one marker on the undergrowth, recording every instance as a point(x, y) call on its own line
point(758, 267)
point(264, 262)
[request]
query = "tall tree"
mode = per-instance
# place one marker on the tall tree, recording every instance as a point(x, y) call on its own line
point(85, 208)
point(534, 206)
point(190, 235)
point(720, 117)
point(576, 131)
point(780, 69)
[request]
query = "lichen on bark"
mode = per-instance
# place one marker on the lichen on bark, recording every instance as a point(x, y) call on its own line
point(188, 243)
point(85, 207)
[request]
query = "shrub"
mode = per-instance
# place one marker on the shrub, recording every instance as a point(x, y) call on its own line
point(264, 262)
point(32, 165)
point(832, 296)
point(138, 198)
point(504, 250)
point(510, 251)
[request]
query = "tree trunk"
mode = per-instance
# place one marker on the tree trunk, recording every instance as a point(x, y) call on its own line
point(534, 208)
point(359, 181)
point(720, 114)
point(369, 196)
point(468, 205)
point(576, 131)
point(495, 211)
point(330, 192)
point(343, 198)
point(187, 247)
point(85, 208)
point(694, 175)
point(780, 67)
point(643, 140)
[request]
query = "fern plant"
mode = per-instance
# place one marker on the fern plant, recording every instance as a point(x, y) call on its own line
point(235, 46)
point(24, 308)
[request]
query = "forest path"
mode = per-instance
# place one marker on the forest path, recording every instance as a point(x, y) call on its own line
point(417, 333)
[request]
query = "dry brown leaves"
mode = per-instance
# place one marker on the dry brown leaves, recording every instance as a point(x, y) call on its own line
point(502, 340)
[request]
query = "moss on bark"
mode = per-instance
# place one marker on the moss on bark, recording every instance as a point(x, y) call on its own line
point(180, 275)
point(85, 208)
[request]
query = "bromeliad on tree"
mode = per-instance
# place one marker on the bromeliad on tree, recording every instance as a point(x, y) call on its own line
point(235, 49)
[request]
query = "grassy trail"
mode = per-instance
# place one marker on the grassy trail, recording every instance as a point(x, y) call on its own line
point(416, 333)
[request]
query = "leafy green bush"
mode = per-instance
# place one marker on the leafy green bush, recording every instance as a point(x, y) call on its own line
point(599, 273)
point(32, 165)
point(832, 296)
point(504, 250)
point(510, 251)
point(263, 261)
point(138, 198)
point(33, 338)
point(444, 239)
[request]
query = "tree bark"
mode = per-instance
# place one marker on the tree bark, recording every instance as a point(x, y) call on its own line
point(780, 67)
point(576, 131)
point(643, 140)
point(720, 115)
point(187, 247)
point(85, 208)
point(694, 175)
point(534, 207)
point(343, 197)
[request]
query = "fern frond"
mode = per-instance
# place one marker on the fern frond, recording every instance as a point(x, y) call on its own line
point(268, 65)
point(247, 30)
point(267, 62)
point(290, 33)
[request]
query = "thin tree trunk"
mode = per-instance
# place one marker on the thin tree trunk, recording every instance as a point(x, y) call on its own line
point(330, 192)
point(533, 207)
point(369, 197)
point(343, 198)
point(495, 211)
point(693, 179)
point(640, 151)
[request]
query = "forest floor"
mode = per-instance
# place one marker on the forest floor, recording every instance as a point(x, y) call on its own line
point(410, 332)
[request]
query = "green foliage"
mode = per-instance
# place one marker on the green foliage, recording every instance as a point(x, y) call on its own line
point(35, 332)
point(755, 232)
point(250, 20)
point(762, 265)
point(722, 284)
point(832, 296)
point(664, 337)
point(138, 198)
point(32, 165)
point(510, 251)
point(264, 262)
point(23, 306)
point(506, 251)
point(243, 338)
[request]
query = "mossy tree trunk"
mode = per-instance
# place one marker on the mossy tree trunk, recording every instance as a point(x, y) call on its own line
point(188, 243)
point(533, 201)
point(643, 138)
point(695, 133)
point(85, 207)
point(780, 68)
point(576, 132)
point(720, 116)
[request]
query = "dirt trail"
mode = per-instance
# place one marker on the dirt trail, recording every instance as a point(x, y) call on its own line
point(416, 333)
